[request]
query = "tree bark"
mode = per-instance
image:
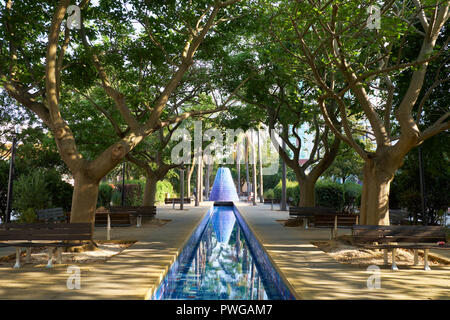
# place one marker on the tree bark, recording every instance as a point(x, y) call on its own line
point(150, 191)
point(84, 198)
point(307, 191)
point(378, 176)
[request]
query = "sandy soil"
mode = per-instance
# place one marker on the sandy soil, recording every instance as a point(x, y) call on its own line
point(81, 254)
point(343, 252)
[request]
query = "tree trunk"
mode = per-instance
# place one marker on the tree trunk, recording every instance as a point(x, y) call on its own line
point(238, 169)
point(84, 199)
point(246, 166)
point(378, 176)
point(261, 181)
point(307, 192)
point(150, 191)
point(189, 176)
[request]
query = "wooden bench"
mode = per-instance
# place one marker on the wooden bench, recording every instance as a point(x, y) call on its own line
point(306, 213)
point(177, 200)
point(116, 219)
point(270, 201)
point(51, 215)
point(51, 235)
point(406, 237)
point(335, 221)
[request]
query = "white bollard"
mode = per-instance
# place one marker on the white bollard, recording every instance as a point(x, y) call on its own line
point(139, 221)
point(108, 228)
point(394, 265)
point(426, 265)
point(17, 264)
point(50, 253)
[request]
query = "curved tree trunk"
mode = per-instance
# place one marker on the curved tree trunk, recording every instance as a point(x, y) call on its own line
point(84, 199)
point(375, 193)
point(150, 191)
point(307, 192)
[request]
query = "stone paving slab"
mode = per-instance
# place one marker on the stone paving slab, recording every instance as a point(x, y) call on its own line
point(133, 274)
point(315, 275)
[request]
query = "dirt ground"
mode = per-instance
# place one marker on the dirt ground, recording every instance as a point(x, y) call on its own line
point(74, 255)
point(88, 253)
point(343, 252)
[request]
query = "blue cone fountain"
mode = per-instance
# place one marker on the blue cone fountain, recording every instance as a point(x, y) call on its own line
point(223, 188)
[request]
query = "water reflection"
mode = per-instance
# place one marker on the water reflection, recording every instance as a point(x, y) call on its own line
point(222, 266)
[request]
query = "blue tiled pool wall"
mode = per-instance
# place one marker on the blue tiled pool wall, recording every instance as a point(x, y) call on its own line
point(169, 281)
point(267, 270)
point(276, 287)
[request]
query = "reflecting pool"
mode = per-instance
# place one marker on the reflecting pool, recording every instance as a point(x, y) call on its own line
point(222, 265)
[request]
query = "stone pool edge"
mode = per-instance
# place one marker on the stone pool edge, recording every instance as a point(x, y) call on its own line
point(274, 265)
point(151, 291)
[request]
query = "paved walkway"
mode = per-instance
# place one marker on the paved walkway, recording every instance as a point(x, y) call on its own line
point(133, 274)
point(138, 270)
point(315, 275)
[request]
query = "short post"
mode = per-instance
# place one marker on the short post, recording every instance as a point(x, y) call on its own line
point(385, 256)
point(17, 264)
point(50, 253)
point(28, 254)
point(426, 265)
point(271, 205)
point(416, 257)
point(139, 221)
point(173, 203)
point(182, 189)
point(108, 228)
point(59, 255)
point(335, 226)
point(394, 265)
point(305, 222)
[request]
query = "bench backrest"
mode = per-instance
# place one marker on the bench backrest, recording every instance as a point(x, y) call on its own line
point(311, 211)
point(51, 215)
point(121, 209)
point(46, 231)
point(328, 220)
point(384, 234)
point(146, 210)
point(176, 200)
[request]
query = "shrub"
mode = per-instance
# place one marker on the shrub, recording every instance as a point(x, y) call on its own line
point(269, 194)
point(163, 187)
point(30, 191)
point(105, 191)
point(292, 192)
point(329, 194)
point(352, 196)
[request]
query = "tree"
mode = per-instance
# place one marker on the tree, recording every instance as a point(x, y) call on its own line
point(47, 95)
point(353, 66)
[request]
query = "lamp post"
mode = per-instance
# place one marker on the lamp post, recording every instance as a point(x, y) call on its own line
point(181, 188)
point(123, 183)
point(11, 176)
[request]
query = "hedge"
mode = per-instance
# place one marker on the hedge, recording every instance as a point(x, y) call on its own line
point(328, 194)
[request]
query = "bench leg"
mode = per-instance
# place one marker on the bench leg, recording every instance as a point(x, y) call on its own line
point(17, 264)
point(50, 254)
point(28, 255)
point(394, 265)
point(385, 256)
point(416, 257)
point(426, 265)
point(108, 228)
point(59, 255)
point(139, 221)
